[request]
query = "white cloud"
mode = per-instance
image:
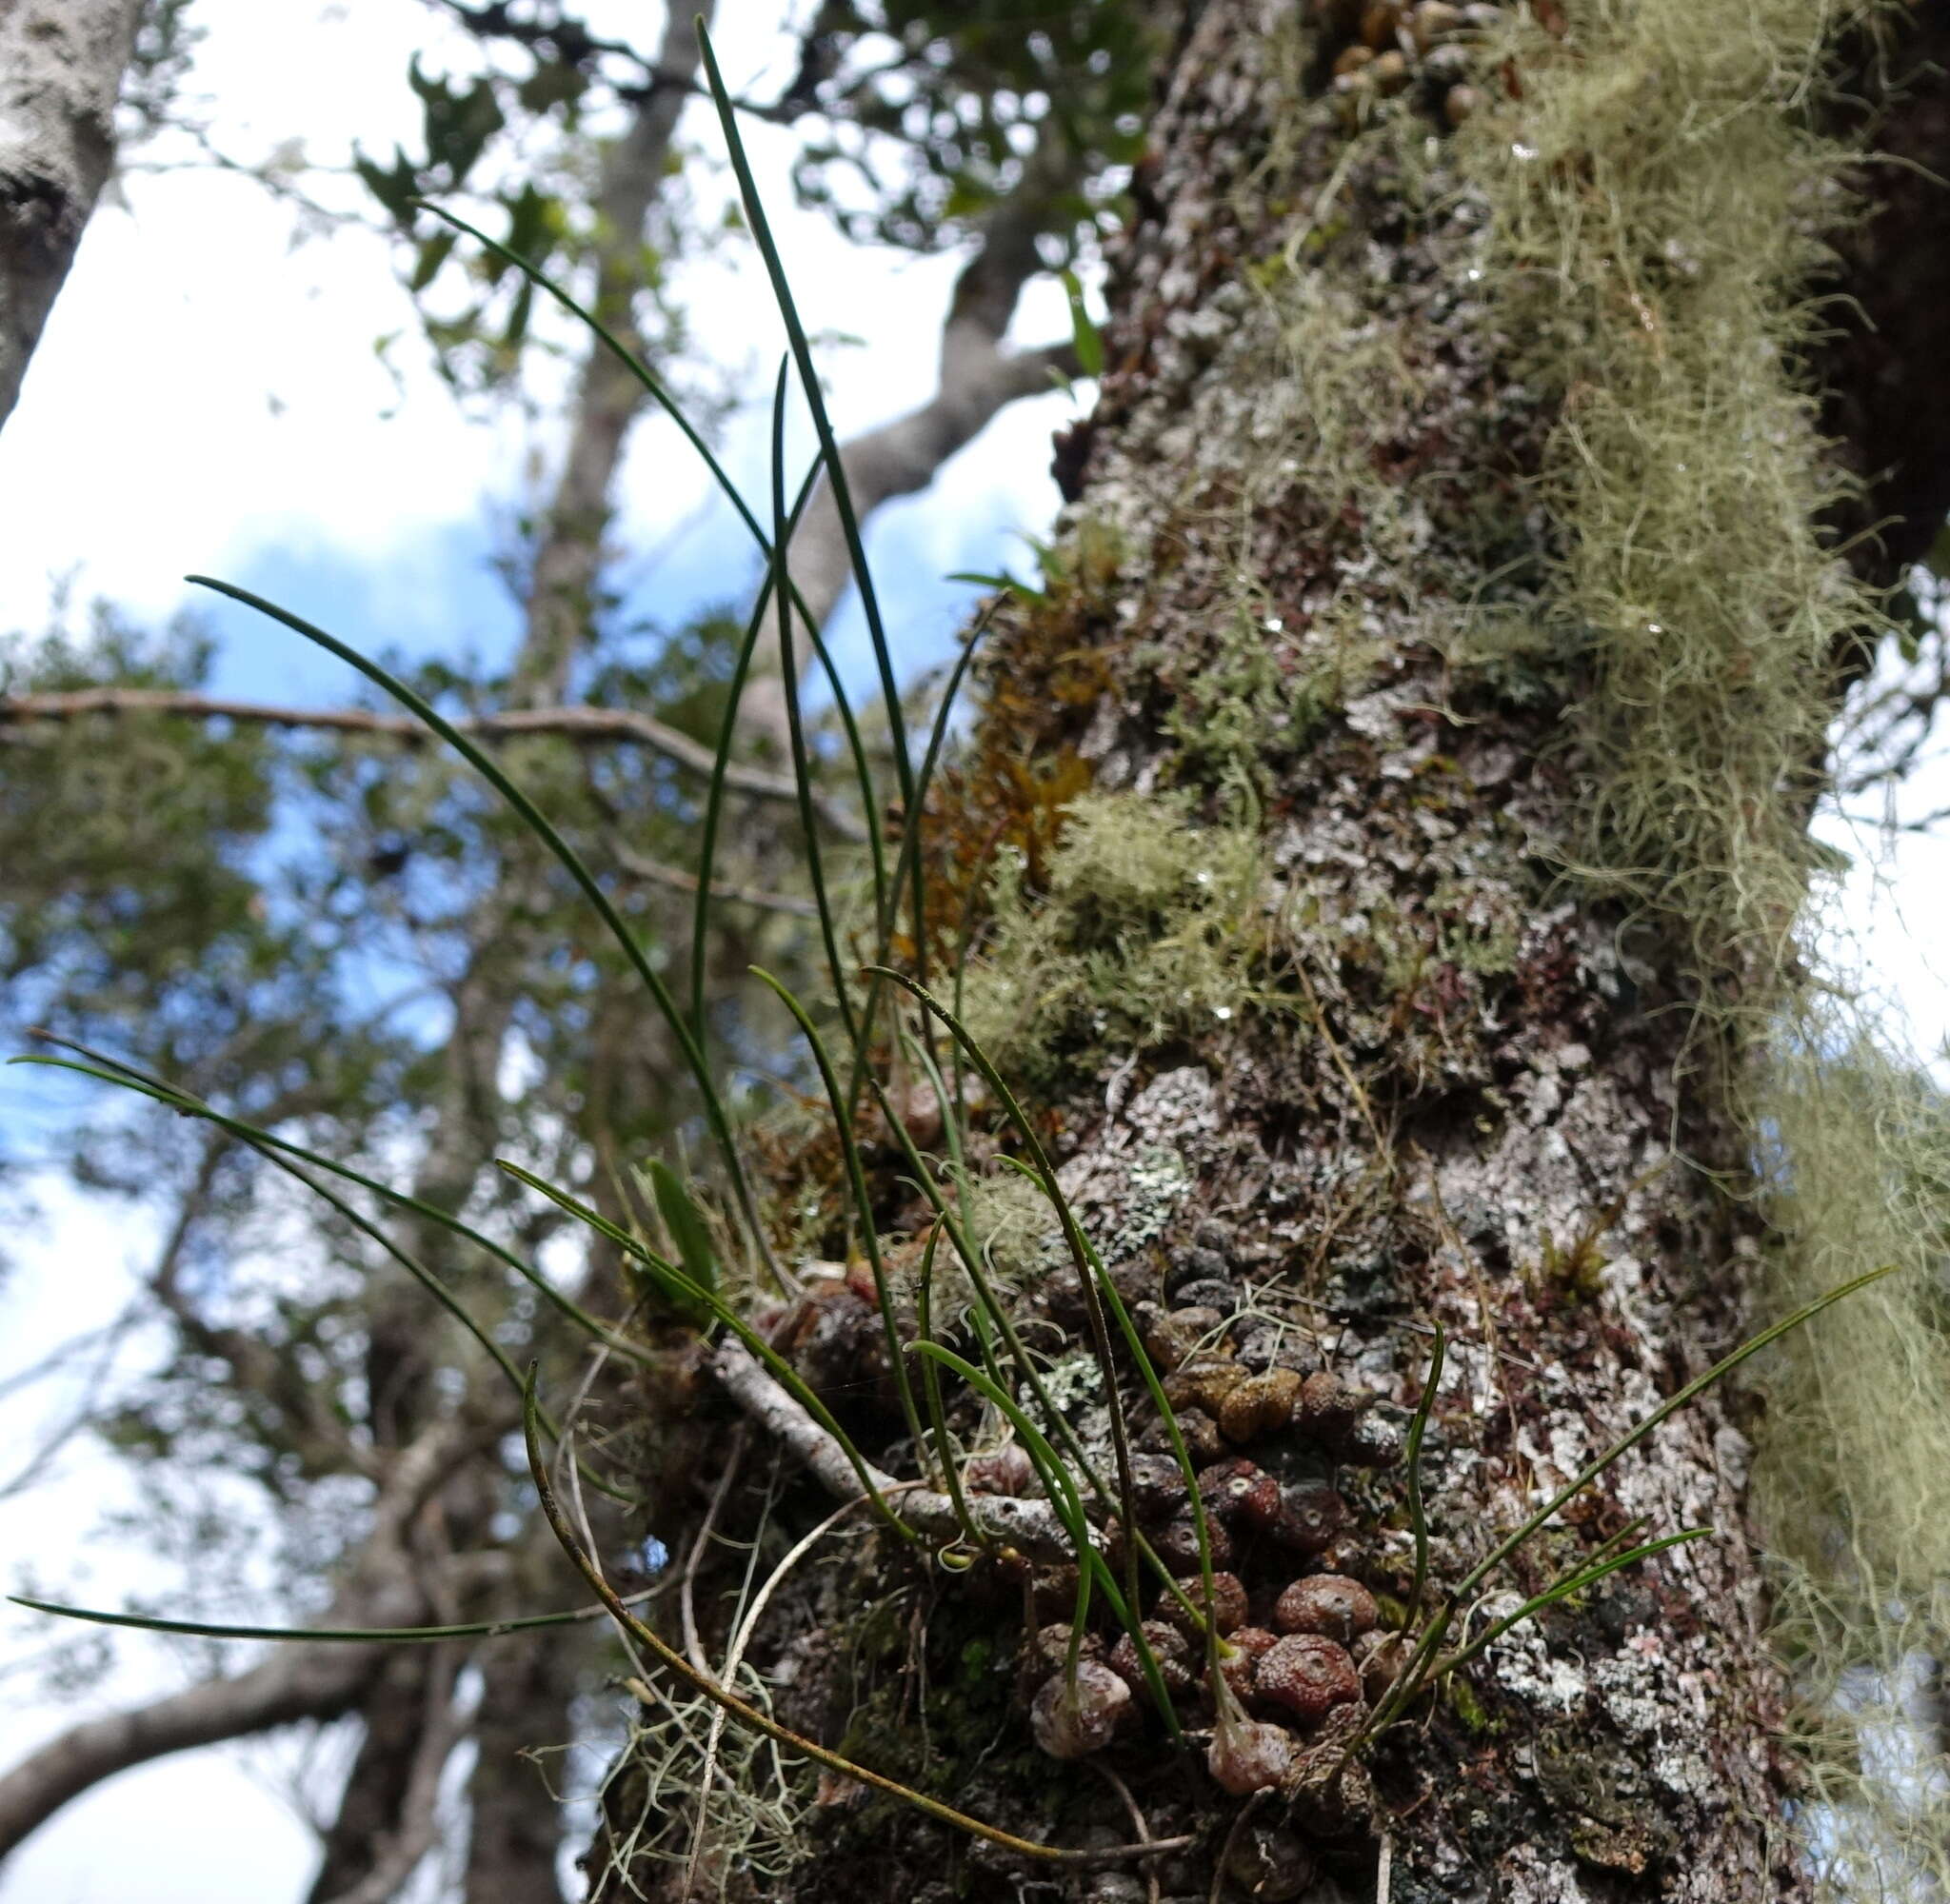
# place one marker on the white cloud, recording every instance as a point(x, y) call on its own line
point(208, 398)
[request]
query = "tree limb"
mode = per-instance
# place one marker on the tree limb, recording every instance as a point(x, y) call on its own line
point(978, 378)
point(1031, 1525)
point(585, 725)
point(295, 1682)
point(640, 866)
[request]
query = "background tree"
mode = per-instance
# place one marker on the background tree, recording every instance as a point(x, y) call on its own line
point(62, 67)
point(338, 1399)
point(1380, 839)
point(1446, 624)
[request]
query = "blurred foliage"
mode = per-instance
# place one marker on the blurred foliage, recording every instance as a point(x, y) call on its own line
point(166, 43)
point(933, 112)
point(915, 121)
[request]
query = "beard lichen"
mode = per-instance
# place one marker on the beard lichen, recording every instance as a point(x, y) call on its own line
point(1659, 196)
point(1635, 227)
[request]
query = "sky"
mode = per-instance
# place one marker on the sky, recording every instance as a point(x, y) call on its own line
point(209, 398)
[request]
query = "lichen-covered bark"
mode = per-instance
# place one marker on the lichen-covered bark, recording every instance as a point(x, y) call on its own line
point(61, 65)
point(1455, 1085)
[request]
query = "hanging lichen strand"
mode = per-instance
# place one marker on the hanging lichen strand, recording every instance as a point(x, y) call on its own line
point(1659, 200)
point(1362, 921)
point(1551, 431)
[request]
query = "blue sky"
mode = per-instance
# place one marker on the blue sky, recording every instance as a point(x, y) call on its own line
point(208, 399)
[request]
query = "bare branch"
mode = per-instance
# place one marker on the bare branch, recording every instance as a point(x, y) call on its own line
point(977, 379)
point(1031, 1525)
point(978, 382)
point(586, 725)
point(639, 866)
point(104, 1345)
point(575, 45)
point(296, 1682)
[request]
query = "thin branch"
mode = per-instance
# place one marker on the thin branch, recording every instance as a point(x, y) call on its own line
point(104, 1344)
point(1032, 1526)
point(575, 45)
point(640, 866)
point(581, 724)
point(686, 1586)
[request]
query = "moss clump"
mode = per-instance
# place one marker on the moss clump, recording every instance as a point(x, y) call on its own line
point(1146, 926)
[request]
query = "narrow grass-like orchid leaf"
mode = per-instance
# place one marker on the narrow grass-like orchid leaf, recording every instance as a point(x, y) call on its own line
point(336, 1635)
point(862, 1199)
point(111, 1071)
point(1418, 1519)
point(1673, 1403)
point(662, 397)
point(795, 727)
point(910, 871)
point(413, 1267)
point(1416, 1672)
point(287, 1156)
point(721, 763)
point(1090, 1271)
point(673, 1661)
point(937, 1415)
point(687, 1224)
point(1561, 1590)
point(815, 399)
point(570, 861)
point(681, 1288)
point(1062, 1491)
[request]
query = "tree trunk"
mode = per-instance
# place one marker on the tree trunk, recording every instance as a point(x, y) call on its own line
point(1441, 1064)
point(401, 1355)
point(61, 65)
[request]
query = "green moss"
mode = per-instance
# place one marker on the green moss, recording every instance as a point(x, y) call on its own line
point(1463, 1701)
point(1146, 926)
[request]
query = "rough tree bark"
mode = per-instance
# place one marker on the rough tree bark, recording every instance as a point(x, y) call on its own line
point(1484, 1109)
point(61, 67)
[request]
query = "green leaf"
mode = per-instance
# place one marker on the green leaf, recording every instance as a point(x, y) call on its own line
point(1003, 585)
point(434, 253)
point(685, 1222)
point(1084, 333)
point(1938, 560)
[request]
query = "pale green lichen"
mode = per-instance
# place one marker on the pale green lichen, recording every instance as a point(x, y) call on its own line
point(1653, 198)
point(1658, 195)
